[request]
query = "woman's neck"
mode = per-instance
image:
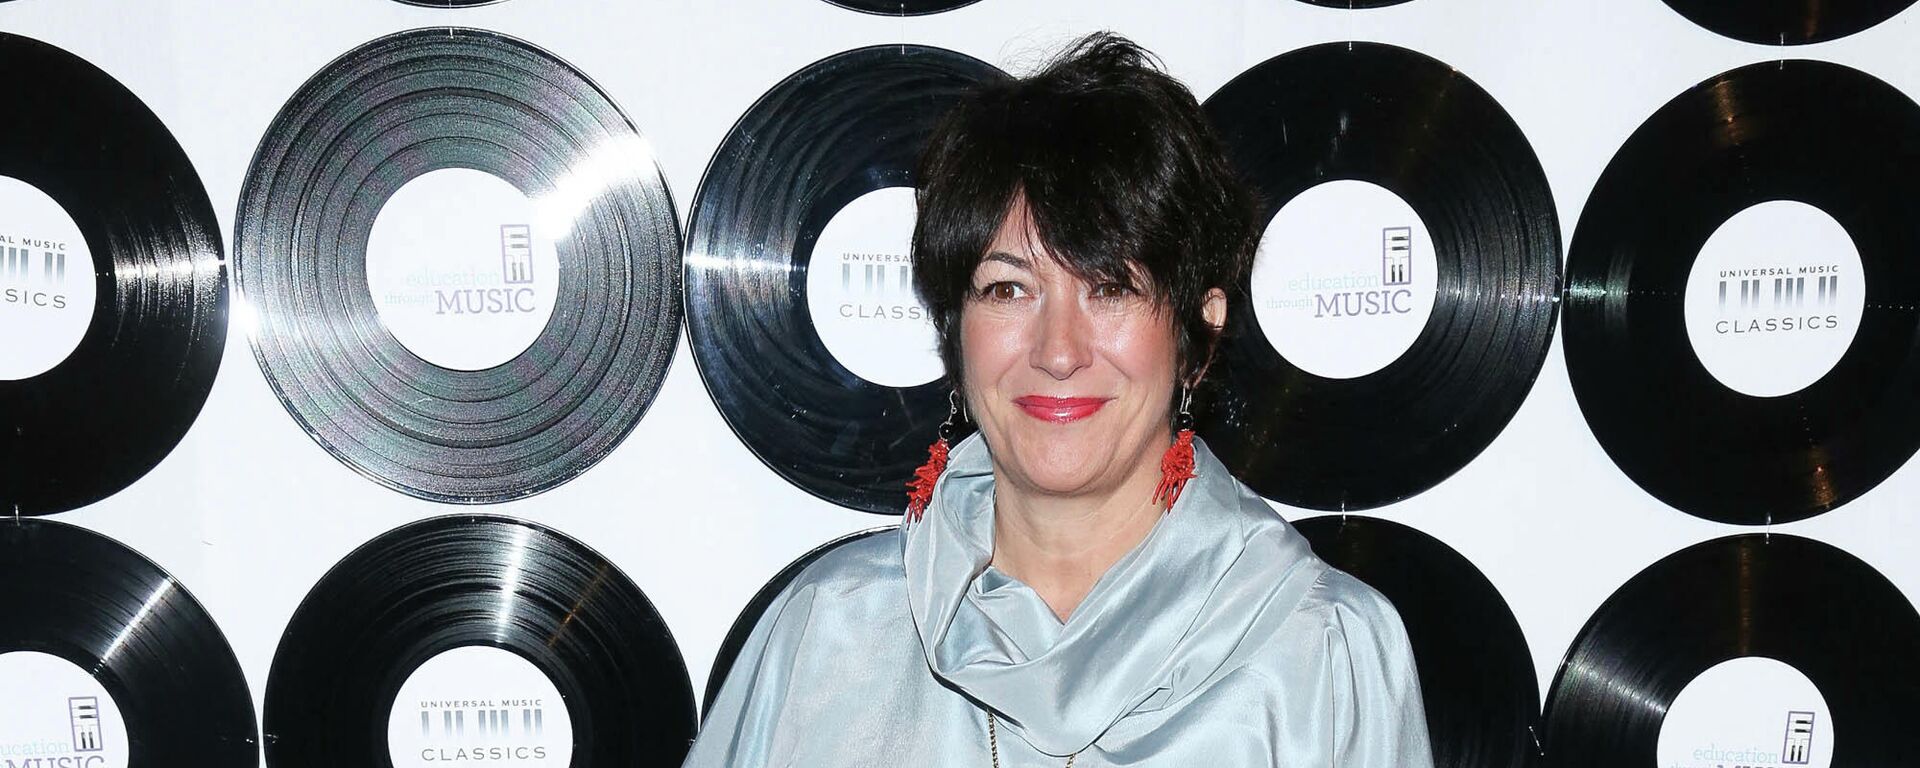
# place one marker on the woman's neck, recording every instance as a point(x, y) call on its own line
point(1061, 545)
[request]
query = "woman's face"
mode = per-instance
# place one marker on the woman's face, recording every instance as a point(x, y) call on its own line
point(1069, 381)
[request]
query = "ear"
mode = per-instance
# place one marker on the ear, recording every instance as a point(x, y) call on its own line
point(1213, 309)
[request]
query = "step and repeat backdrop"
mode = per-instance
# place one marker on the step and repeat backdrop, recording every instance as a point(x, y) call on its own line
point(451, 382)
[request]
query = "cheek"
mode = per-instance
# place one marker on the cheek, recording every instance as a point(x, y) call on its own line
point(990, 343)
point(1141, 346)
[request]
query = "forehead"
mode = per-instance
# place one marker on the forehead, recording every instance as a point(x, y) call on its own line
point(1017, 243)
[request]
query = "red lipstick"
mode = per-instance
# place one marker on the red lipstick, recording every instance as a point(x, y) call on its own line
point(1060, 410)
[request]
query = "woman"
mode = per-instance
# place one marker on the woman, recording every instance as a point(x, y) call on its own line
point(1082, 582)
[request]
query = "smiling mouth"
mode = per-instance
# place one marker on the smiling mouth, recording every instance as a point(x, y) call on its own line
point(1060, 410)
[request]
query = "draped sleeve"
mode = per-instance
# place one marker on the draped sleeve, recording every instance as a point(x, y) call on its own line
point(742, 724)
point(831, 675)
point(1368, 691)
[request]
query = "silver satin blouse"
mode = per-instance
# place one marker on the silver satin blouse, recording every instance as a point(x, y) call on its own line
point(1219, 641)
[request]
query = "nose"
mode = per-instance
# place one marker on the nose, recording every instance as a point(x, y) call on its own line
point(1062, 345)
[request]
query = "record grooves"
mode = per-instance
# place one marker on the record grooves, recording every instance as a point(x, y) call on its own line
point(1423, 131)
point(1828, 615)
point(1476, 673)
point(842, 127)
point(902, 7)
point(1354, 4)
point(1807, 131)
point(388, 113)
point(463, 581)
point(115, 406)
point(1788, 22)
point(169, 672)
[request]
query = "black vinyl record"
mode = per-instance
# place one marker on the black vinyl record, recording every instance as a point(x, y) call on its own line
point(842, 127)
point(106, 414)
point(450, 3)
point(902, 7)
point(1423, 131)
point(750, 616)
point(459, 582)
point(1831, 617)
point(1476, 673)
point(1788, 22)
point(118, 618)
point(1807, 131)
point(390, 112)
point(1354, 4)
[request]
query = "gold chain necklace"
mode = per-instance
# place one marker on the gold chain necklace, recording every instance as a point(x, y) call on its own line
point(993, 743)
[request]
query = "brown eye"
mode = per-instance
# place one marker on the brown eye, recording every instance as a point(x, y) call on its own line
point(1004, 290)
point(1110, 291)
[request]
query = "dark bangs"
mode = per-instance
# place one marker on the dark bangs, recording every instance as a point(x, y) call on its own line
point(1120, 172)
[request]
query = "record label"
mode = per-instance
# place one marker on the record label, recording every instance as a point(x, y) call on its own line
point(860, 292)
point(1343, 281)
point(46, 281)
point(1751, 711)
point(463, 268)
point(55, 714)
point(479, 706)
point(1774, 298)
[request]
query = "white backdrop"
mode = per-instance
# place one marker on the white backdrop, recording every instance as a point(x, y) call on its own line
point(249, 513)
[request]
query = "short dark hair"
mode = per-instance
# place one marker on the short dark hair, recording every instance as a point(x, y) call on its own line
point(1120, 171)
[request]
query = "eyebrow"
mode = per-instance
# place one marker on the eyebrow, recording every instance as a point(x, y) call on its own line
point(1008, 258)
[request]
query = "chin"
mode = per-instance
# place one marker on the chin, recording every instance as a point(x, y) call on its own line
point(1060, 466)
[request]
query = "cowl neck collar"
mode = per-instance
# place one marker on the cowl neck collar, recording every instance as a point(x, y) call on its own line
point(1156, 627)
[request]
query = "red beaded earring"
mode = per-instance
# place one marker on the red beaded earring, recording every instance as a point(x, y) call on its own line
point(920, 488)
point(1176, 467)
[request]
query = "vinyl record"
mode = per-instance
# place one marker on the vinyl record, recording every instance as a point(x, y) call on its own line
point(1818, 418)
point(1354, 4)
point(106, 660)
point(457, 185)
point(1370, 158)
point(1788, 22)
point(902, 7)
point(113, 292)
point(450, 3)
point(444, 640)
point(1823, 618)
point(1476, 673)
point(750, 616)
point(831, 149)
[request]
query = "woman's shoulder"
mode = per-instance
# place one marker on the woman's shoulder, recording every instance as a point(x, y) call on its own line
point(1354, 616)
point(837, 593)
point(859, 562)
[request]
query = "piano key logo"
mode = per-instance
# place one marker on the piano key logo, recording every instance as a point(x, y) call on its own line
point(33, 273)
point(84, 714)
point(1799, 742)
